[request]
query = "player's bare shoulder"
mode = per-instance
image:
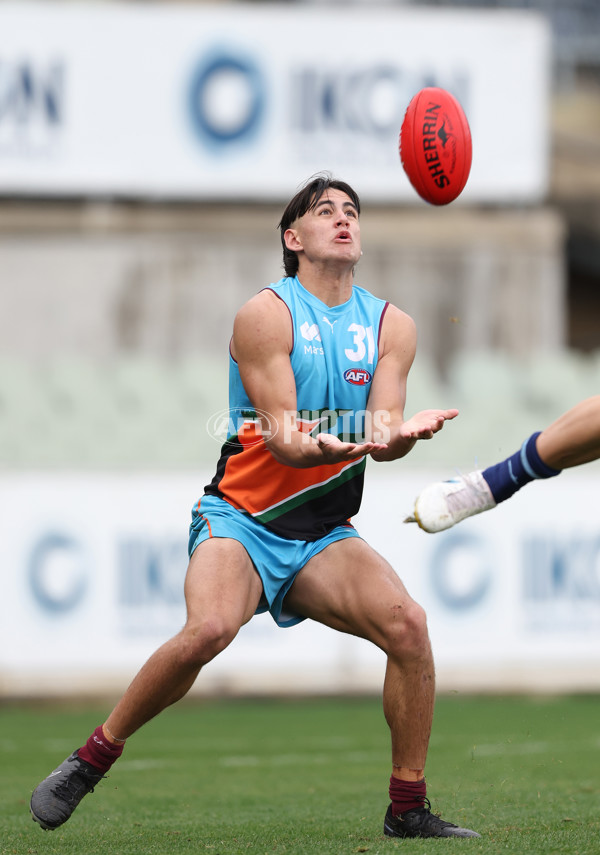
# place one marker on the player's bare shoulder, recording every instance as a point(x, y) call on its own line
point(265, 321)
point(398, 333)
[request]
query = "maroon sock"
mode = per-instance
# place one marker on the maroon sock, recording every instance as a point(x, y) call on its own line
point(99, 752)
point(407, 795)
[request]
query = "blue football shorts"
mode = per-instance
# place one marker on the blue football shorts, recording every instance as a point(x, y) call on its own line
point(277, 559)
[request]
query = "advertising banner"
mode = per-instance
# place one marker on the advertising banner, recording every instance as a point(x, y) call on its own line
point(92, 571)
point(244, 102)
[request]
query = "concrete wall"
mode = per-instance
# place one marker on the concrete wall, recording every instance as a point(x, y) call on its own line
point(100, 280)
point(116, 318)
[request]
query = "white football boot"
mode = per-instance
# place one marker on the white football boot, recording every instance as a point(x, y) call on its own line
point(445, 503)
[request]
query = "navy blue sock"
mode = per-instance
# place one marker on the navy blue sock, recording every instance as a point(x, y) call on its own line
point(524, 466)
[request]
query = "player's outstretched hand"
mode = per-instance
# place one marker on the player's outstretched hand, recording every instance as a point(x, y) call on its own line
point(425, 424)
point(336, 451)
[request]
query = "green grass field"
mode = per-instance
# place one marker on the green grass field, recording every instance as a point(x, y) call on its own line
point(311, 776)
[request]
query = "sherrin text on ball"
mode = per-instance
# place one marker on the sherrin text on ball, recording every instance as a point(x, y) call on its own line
point(435, 145)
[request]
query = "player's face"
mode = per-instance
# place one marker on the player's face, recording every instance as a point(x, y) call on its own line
point(329, 232)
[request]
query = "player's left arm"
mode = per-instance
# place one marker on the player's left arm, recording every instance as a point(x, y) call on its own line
point(387, 399)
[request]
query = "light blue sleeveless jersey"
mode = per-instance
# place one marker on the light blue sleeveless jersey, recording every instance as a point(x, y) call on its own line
point(334, 357)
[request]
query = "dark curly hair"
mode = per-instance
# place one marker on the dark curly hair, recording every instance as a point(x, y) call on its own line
point(305, 200)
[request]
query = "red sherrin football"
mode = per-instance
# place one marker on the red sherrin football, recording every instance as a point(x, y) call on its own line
point(435, 145)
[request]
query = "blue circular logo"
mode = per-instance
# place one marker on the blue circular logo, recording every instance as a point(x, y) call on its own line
point(461, 572)
point(57, 573)
point(227, 99)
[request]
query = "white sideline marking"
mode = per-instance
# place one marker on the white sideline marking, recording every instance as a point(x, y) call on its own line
point(296, 759)
point(512, 748)
point(141, 765)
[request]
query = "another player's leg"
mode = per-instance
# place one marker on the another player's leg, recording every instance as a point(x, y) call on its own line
point(446, 503)
point(351, 588)
point(222, 591)
point(572, 440)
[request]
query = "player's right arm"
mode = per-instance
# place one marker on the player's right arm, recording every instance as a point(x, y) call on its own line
point(261, 345)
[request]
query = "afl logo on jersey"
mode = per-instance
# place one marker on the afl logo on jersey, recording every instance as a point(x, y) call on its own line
point(357, 376)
